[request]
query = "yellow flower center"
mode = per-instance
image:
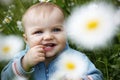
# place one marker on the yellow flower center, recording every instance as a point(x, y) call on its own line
point(70, 66)
point(6, 49)
point(93, 24)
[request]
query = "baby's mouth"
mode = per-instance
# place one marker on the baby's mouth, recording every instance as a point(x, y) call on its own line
point(49, 46)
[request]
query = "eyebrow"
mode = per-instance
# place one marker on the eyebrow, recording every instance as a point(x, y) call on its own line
point(57, 25)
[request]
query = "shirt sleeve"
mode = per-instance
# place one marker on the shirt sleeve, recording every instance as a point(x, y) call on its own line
point(14, 69)
point(93, 73)
point(18, 69)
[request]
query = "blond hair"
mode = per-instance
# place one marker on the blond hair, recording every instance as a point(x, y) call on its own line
point(44, 9)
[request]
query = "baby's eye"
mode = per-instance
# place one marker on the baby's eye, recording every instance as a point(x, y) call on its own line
point(38, 32)
point(56, 30)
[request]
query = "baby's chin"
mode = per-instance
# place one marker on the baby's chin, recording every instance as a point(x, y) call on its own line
point(49, 55)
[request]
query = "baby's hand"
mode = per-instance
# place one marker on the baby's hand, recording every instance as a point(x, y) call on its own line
point(35, 55)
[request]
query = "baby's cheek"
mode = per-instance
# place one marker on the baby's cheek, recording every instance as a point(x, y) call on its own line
point(34, 43)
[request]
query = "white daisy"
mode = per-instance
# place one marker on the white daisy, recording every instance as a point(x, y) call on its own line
point(92, 25)
point(117, 17)
point(7, 19)
point(10, 45)
point(44, 0)
point(70, 66)
point(19, 25)
point(59, 75)
point(20, 78)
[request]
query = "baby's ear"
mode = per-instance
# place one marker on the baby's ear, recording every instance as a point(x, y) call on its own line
point(25, 38)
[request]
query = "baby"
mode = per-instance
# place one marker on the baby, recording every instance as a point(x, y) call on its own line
point(46, 40)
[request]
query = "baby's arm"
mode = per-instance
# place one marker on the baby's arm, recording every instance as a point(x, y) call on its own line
point(15, 67)
point(93, 73)
point(9, 71)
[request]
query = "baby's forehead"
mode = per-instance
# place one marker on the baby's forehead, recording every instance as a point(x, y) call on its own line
point(44, 17)
point(44, 10)
point(45, 14)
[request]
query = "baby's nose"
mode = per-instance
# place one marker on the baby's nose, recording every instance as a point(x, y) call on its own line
point(48, 36)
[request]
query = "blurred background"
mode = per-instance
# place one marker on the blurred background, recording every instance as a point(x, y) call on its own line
point(106, 59)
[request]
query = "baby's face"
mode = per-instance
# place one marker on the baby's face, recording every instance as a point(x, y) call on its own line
point(48, 32)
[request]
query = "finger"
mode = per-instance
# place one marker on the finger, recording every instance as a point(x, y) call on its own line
point(39, 59)
point(39, 46)
point(40, 50)
point(41, 54)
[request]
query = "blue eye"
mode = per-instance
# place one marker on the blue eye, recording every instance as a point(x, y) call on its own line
point(56, 30)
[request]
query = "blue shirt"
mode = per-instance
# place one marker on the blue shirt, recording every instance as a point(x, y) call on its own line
point(40, 71)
